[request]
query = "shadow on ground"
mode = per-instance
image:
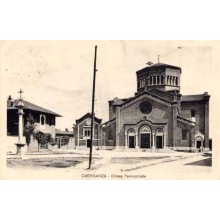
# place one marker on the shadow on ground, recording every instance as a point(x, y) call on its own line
point(57, 162)
point(205, 162)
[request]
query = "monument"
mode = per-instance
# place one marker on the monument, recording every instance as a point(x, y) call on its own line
point(20, 107)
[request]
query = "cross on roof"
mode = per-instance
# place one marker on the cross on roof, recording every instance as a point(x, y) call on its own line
point(20, 91)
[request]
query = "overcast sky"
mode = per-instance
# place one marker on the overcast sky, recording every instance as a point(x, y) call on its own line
point(58, 75)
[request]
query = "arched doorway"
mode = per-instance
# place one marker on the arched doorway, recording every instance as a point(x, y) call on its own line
point(159, 138)
point(145, 137)
point(199, 142)
point(131, 138)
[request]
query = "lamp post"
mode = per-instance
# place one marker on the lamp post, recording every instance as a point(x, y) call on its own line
point(20, 107)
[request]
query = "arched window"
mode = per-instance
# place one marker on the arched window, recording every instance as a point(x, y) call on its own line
point(176, 81)
point(168, 78)
point(184, 135)
point(158, 80)
point(154, 80)
point(162, 80)
point(173, 80)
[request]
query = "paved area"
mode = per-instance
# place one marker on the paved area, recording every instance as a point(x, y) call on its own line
point(117, 164)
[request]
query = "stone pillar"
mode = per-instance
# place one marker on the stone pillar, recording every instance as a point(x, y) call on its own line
point(206, 114)
point(136, 141)
point(126, 140)
point(117, 125)
point(164, 140)
point(20, 142)
point(153, 141)
point(174, 108)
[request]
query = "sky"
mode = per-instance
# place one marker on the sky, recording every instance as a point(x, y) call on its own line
point(58, 75)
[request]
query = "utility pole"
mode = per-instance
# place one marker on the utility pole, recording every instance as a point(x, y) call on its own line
point(93, 103)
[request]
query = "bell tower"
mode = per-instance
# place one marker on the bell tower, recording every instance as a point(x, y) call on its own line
point(159, 76)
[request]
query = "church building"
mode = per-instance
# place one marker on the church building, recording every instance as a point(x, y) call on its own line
point(158, 116)
point(82, 131)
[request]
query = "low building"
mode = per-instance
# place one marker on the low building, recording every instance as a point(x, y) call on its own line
point(43, 119)
point(82, 131)
point(64, 139)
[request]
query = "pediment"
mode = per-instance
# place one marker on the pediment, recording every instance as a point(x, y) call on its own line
point(143, 96)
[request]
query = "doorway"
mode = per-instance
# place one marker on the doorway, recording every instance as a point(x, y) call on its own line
point(159, 138)
point(131, 138)
point(145, 140)
point(131, 142)
point(198, 144)
point(159, 142)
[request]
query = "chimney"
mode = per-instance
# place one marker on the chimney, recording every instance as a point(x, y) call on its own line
point(10, 101)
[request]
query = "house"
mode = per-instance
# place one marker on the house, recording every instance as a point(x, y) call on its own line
point(44, 119)
point(158, 115)
point(64, 138)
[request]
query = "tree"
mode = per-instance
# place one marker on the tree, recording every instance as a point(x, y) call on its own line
point(29, 129)
point(42, 138)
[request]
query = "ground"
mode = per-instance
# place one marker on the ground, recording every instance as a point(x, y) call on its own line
point(110, 164)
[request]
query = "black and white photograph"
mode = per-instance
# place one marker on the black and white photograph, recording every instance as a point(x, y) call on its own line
point(109, 109)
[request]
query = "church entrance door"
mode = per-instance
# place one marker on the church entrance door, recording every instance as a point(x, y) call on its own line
point(159, 138)
point(145, 140)
point(131, 142)
point(145, 137)
point(159, 141)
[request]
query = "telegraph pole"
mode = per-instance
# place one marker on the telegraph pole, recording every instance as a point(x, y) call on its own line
point(93, 103)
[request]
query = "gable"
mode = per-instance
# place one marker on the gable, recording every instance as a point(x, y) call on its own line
point(145, 107)
point(146, 95)
point(88, 116)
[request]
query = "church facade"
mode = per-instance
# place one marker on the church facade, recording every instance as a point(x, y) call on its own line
point(158, 116)
point(82, 131)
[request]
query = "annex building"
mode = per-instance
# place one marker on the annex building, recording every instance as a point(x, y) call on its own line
point(158, 116)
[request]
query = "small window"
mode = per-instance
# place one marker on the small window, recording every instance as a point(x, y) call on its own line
point(184, 135)
point(42, 119)
point(87, 132)
point(139, 84)
point(193, 113)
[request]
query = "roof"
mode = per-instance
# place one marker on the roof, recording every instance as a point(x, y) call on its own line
point(161, 94)
point(31, 106)
point(109, 122)
point(58, 131)
point(117, 101)
point(198, 97)
point(158, 94)
point(89, 115)
point(157, 66)
point(185, 120)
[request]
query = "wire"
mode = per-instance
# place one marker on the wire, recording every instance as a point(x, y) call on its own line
point(154, 60)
